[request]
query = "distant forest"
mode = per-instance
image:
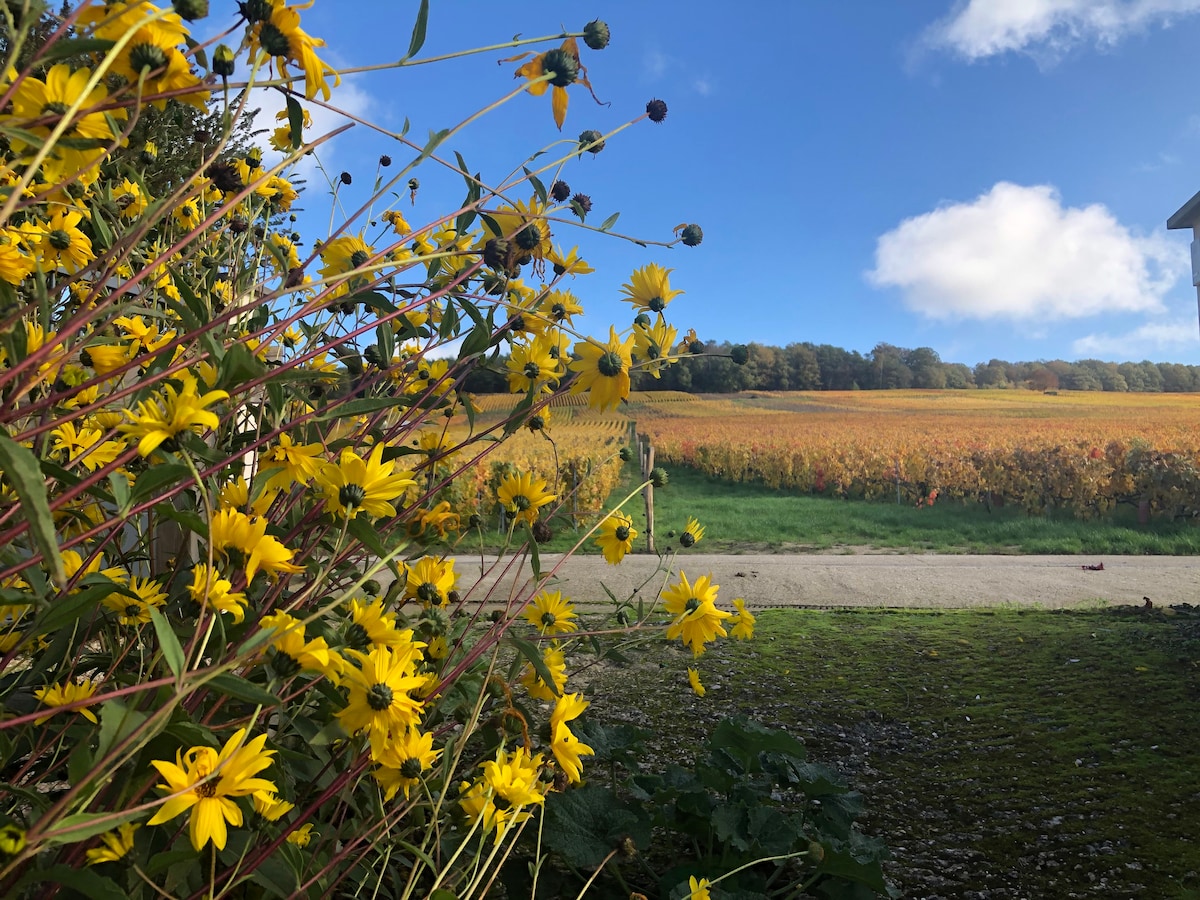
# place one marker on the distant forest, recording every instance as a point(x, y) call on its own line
point(726, 368)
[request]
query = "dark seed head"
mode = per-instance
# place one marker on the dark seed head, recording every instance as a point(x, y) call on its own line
point(581, 205)
point(225, 177)
point(351, 495)
point(385, 161)
point(379, 697)
point(345, 178)
point(692, 235)
point(622, 533)
point(656, 110)
point(564, 66)
point(542, 532)
point(610, 364)
point(590, 140)
point(560, 191)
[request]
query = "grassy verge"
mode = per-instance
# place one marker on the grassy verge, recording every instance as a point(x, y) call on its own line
point(747, 518)
point(1021, 753)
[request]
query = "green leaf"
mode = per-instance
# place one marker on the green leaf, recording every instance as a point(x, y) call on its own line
point(366, 534)
point(158, 476)
point(74, 605)
point(84, 881)
point(538, 187)
point(531, 653)
point(586, 824)
point(85, 825)
point(117, 722)
point(118, 483)
point(295, 122)
point(20, 467)
point(238, 366)
point(842, 864)
point(375, 300)
point(168, 641)
point(241, 689)
point(418, 32)
point(356, 408)
point(610, 221)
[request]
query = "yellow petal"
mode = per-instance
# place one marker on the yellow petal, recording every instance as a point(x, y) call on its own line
point(558, 101)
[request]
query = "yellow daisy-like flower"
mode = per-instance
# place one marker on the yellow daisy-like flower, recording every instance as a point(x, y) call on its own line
point(67, 692)
point(698, 888)
point(372, 627)
point(691, 534)
point(742, 623)
point(652, 346)
point(281, 37)
point(397, 221)
point(17, 255)
point(403, 760)
point(441, 520)
point(568, 263)
point(64, 245)
point(694, 681)
point(380, 701)
point(532, 367)
point(509, 783)
point(551, 613)
point(302, 835)
point(270, 807)
point(105, 358)
point(137, 599)
point(158, 421)
point(354, 484)
point(142, 334)
point(650, 288)
point(560, 306)
point(130, 199)
point(697, 619)
point(556, 664)
point(116, 844)
point(616, 536)
point(297, 463)
point(233, 533)
point(291, 653)
point(205, 781)
point(562, 64)
point(523, 495)
point(208, 589)
point(603, 370)
point(430, 580)
point(567, 748)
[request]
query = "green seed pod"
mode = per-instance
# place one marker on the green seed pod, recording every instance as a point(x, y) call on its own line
point(223, 61)
point(596, 34)
point(191, 10)
point(564, 66)
point(590, 141)
point(659, 477)
point(692, 235)
point(740, 354)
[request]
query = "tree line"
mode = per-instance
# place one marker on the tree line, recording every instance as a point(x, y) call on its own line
point(715, 368)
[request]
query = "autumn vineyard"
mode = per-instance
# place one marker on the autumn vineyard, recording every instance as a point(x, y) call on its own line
point(1079, 453)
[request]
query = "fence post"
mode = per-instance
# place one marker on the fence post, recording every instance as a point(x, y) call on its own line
point(648, 493)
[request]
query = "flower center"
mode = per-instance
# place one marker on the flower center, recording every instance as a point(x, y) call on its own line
point(558, 311)
point(622, 533)
point(501, 802)
point(357, 637)
point(59, 239)
point(410, 768)
point(610, 364)
point(548, 619)
point(274, 41)
point(56, 108)
point(351, 495)
point(132, 611)
point(147, 56)
point(207, 789)
point(692, 605)
point(564, 66)
point(428, 593)
point(379, 697)
point(656, 304)
point(521, 502)
point(359, 258)
point(687, 539)
point(285, 665)
point(653, 351)
point(532, 370)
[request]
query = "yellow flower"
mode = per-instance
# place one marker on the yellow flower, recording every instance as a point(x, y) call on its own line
point(116, 844)
point(270, 807)
point(233, 533)
point(64, 245)
point(17, 259)
point(551, 613)
point(743, 623)
point(603, 370)
point(355, 485)
point(67, 692)
point(85, 444)
point(290, 653)
point(616, 536)
point(153, 51)
point(509, 783)
point(403, 760)
point(397, 221)
point(130, 199)
point(175, 412)
point(142, 334)
point(134, 602)
point(379, 699)
point(282, 38)
point(532, 367)
point(556, 664)
point(204, 782)
point(560, 306)
point(567, 748)
point(372, 627)
point(568, 263)
point(523, 496)
point(650, 288)
point(699, 889)
point(430, 580)
point(298, 463)
point(692, 532)
point(563, 65)
point(694, 681)
point(652, 345)
point(302, 835)
point(697, 619)
point(209, 589)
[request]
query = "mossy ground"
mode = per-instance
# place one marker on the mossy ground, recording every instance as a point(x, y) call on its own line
point(1003, 753)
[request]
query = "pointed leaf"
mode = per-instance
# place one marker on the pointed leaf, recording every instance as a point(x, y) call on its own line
point(20, 468)
point(418, 32)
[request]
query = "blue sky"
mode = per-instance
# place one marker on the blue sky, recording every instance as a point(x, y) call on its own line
point(986, 178)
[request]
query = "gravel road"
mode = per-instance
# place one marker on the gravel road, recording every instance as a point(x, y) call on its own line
point(909, 580)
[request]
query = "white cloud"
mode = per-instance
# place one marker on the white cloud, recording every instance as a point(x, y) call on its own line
point(655, 63)
point(1148, 341)
point(1017, 253)
point(976, 29)
point(348, 97)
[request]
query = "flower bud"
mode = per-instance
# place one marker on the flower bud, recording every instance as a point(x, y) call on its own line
point(223, 61)
point(191, 10)
point(596, 34)
point(740, 354)
point(659, 477)
point(692, 235)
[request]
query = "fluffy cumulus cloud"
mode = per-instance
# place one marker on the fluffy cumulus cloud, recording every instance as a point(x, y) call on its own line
point(976, 29)
point(1017, 253)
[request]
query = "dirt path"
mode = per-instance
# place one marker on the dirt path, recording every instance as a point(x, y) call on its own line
point(912, 580)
